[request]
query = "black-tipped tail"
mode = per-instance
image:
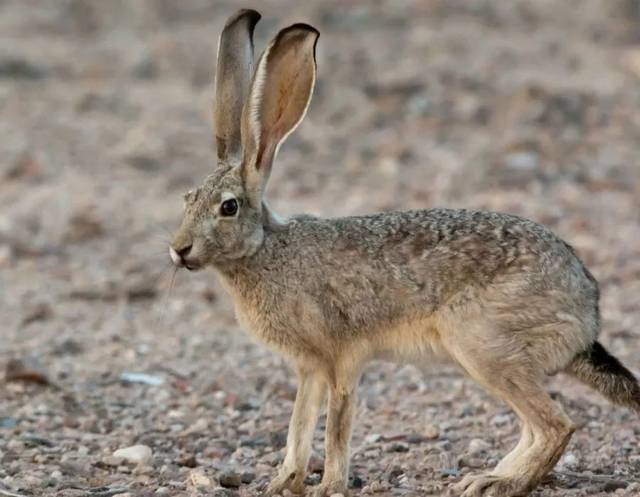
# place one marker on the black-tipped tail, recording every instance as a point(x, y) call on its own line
point(606, 374)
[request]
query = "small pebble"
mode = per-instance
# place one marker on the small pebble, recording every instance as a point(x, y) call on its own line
point(198, 479)
point(399, 447)
point(431, 432)
point(137, 454)
point(230, 479)
point(376, 487)
point(501, 420)
point(373, 438)
point(477, 446)
point(247, 477)
point(569, 460)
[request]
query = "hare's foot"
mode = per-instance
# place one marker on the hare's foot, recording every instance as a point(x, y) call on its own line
point(327, 489)
point(286, 480)
point(489, 485)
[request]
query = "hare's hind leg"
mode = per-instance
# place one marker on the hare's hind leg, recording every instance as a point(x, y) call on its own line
point(546, 428)
point(311, 394)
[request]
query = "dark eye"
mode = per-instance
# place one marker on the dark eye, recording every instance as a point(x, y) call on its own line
point(229, 207)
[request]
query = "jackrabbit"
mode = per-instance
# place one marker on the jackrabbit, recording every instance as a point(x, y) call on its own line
point(503, 297)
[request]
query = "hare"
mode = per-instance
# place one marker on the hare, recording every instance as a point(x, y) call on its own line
point(502, 296)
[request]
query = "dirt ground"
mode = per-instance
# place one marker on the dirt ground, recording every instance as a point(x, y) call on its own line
point(530, 107)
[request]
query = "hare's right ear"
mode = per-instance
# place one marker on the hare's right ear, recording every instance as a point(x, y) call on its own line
point(233, 77)
point(280, 94)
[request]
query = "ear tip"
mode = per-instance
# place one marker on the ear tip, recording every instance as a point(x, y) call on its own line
point(305, 28)
point(252, 16)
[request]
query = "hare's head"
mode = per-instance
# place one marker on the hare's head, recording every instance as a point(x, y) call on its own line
point(254, 112)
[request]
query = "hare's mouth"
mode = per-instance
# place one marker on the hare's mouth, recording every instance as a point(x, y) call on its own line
point(192, 266)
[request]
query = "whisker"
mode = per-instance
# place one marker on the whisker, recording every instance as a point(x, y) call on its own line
point(165, 301)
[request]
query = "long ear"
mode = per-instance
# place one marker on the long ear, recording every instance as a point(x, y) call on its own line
point(233, 77)
point(278, 100)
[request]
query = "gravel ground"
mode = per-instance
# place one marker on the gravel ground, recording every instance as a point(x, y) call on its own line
point(529, 107)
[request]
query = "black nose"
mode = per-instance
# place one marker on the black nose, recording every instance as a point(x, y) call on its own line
point(184, 251)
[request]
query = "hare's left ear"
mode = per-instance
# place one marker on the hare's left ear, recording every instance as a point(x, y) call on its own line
point(233, 77)
point(278, 99)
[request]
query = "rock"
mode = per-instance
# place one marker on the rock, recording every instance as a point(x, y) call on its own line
point(112, 461)
point(84, 225)
point(230, 479)
point(471, 462)
point(222, 492)
point(36, 440)
point(18, 68)
point(477, 446)
point(521, 161)
point(138, 454)
point(431, 432)
point(450, 472)
point(67, 346)
point(188, 461)
point(145, 68)
point(415, 438)
point(569, 461)
point(24, 370)
point(373, 438)
point(8, 422)
point(146, 379)
point(200, 426)
point(613, 485)
point(247, 476)
point(357, 482)
point(398, 447)
point(375, 487)
point(501, 420)
point(198, 479)
point(316, 464)
point(38, 312)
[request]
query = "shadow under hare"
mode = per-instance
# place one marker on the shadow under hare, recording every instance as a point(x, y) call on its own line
point(502, 296)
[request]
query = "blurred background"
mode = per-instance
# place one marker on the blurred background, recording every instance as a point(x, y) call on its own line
point(529, 107)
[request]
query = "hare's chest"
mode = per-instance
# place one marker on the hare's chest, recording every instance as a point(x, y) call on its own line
point(279, 319)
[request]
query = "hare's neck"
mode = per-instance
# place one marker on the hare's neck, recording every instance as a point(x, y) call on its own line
point(270, 218)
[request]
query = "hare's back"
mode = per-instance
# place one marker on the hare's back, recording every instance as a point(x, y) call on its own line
point(433, 253)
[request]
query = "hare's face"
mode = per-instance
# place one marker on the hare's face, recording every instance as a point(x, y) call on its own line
point(254, 113)
point(219, 223)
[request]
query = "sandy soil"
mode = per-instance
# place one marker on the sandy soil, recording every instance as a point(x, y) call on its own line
point(529, 107)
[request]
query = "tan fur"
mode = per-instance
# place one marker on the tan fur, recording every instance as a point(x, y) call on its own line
point(501, 296)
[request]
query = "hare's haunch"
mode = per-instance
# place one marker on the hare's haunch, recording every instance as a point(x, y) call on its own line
point(500, 295)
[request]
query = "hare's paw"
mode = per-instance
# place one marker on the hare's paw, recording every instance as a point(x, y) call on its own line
point(327, 489)
point(285, 480)
point(488, 485)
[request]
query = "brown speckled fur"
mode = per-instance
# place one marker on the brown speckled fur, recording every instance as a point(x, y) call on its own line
point(500, 295)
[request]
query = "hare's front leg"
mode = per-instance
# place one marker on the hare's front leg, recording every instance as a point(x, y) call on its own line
point(311, 394)
point(338, 436)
